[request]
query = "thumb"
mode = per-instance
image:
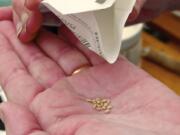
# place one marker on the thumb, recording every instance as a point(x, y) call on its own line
point(32, 4)
point(18, 120)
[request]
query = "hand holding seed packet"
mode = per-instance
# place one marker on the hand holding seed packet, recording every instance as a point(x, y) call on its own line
point(97, 24)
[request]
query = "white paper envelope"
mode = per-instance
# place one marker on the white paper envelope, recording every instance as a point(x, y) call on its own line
point(78, 6)
point(98, 24)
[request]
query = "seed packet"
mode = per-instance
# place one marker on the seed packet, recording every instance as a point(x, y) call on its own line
point(98, 24)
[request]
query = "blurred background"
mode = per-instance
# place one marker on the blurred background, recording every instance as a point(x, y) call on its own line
point(153, 46)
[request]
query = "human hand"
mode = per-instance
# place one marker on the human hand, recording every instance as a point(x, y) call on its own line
point(27, 18)
point(44, 99)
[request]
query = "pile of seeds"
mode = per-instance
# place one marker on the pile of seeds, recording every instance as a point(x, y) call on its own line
point(101, 104)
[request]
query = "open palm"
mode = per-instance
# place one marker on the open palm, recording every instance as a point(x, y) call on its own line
point(44, 99)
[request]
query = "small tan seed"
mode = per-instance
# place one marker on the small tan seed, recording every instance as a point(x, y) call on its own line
point(107, 111)
point(100, 104)
point(106, 104)
point(94, 102)
point(104, 100)
point(109, 107)
point(104, 108)
point(98, 99)
point(89, 100)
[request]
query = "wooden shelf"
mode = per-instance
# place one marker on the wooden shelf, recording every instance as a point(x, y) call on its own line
point(162, 58)
point(171, 79)
point(168, 23)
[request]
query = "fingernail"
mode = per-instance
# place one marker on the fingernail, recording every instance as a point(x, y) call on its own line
point(21, 25)
point(19, 28)
point(24, 19)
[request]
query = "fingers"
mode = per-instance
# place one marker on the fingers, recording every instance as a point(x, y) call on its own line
point(94, 58)
point(133, 15)
point(19, 86)
point(32, 4)
point(68, 57)
point(137, 8)
point(27, 21)
point(19, 121)
point(5, 13)
point(42, 68)
point(29, 29)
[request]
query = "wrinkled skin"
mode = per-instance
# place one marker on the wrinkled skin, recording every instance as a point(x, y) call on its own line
point(28, 19)
point(43, 99)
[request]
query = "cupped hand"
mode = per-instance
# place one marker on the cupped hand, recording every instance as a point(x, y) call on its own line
point(45, 99)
